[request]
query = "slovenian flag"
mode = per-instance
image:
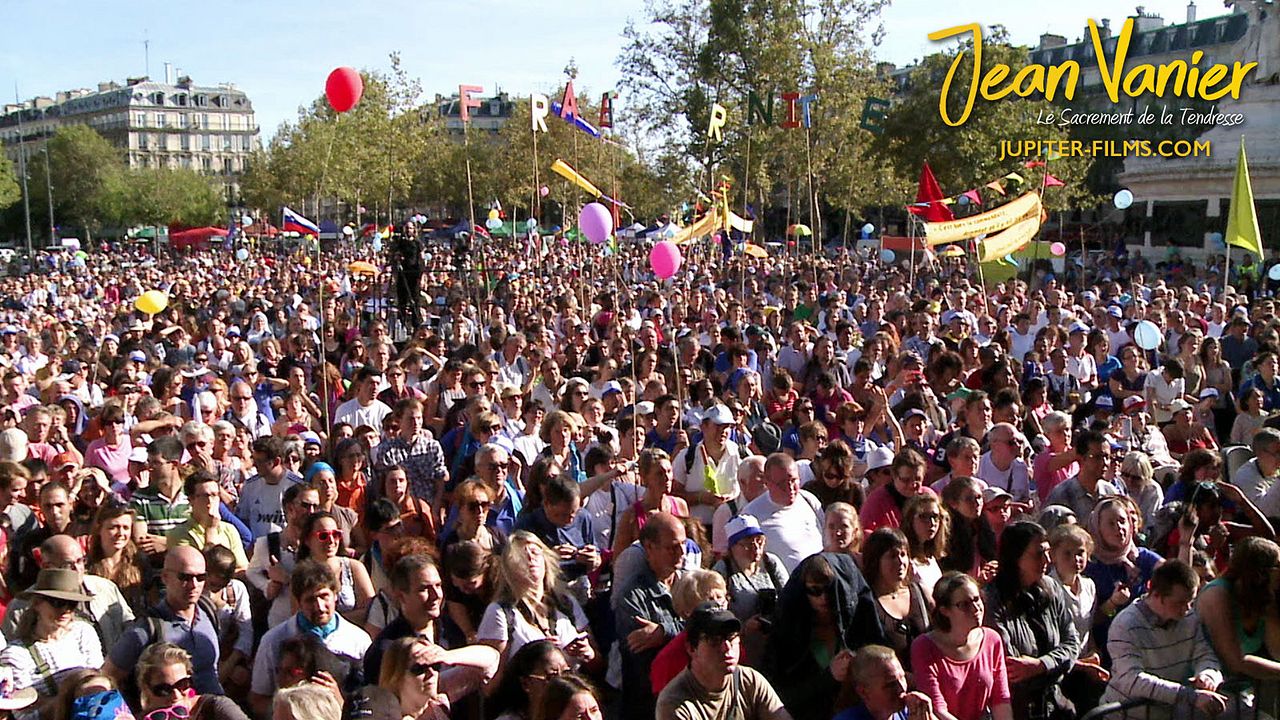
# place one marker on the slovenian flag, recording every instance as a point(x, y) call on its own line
point(293, 222)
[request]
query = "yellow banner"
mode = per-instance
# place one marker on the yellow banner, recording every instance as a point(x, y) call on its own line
point(940, 233)
point(563, 169)
point(705, 226)
point(1010, 240)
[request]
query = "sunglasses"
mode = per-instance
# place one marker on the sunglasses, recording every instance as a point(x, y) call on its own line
point(327, 535)
point(191, 577)
point(62, 603)
point(423, 668)
point(181, 685)
point(478, 505)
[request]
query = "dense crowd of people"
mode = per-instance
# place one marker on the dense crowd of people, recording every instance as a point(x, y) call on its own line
point(800, 486)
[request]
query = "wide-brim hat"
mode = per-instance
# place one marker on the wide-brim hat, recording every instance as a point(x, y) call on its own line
point(19, 699)
point(58, 583)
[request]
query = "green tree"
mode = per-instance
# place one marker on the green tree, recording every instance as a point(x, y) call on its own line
point(86, 174)
point(692, 54)
point(10, 190)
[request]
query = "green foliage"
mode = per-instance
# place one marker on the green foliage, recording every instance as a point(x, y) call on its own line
point(87, 175)
point(693, 53)
point(10, 190)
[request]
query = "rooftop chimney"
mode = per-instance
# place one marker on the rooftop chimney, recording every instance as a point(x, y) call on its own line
point(1191, 12)
point(168, 73)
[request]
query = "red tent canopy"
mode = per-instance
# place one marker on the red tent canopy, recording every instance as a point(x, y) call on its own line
point(194, 236)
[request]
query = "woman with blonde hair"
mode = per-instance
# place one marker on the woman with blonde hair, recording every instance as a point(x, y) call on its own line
point(531, 603)
point(411, 673)
point(1138, 477)
point(558, 430)
point(687, 593)
point(842, 531)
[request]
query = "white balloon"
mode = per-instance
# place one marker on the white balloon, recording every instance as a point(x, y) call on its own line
point(1274, 272)
point(1123, 199)
point(1147, 335)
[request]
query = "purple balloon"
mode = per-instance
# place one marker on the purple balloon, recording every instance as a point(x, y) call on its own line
point(596, 222)
point(665, 258)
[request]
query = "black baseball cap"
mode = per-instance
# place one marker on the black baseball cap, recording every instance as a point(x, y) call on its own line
point(710, 619)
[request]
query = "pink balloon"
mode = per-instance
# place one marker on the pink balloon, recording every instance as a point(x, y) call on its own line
point(596, 222)
point(665, 259)
point(544, 191)
point(343, 89)
point(1058, 249)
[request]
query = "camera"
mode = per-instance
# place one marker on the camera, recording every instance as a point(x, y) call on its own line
point(767, 603)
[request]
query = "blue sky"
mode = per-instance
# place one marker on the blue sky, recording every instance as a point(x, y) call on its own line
point(279, 51)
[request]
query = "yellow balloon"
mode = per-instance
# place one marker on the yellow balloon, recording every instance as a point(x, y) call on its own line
point(152, 302)
point(493, 215)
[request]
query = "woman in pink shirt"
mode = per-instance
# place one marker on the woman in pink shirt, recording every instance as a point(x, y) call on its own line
point(111, 451)
point(1057, 462)
point(960, 664)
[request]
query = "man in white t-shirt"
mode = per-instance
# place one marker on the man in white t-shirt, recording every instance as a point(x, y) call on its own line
point(791, 518)
point(365, 408)
point(1002, 466)
point(315, 589)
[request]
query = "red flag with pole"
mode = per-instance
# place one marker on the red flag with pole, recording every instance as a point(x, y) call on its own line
point(930, 193)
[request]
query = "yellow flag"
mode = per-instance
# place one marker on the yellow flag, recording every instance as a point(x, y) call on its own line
point(1242, 225)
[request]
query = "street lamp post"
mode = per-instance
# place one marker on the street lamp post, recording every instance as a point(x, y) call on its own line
point(48, 184)
point(22, 170)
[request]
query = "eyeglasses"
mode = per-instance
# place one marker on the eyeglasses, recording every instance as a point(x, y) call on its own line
point(116, 421)
point(479, 505)
point(309, 506)
point(327, 535)
point(930, 517)
point(181, 685)
point(191, 577)
point(492, 428)
point(476, 385)
point(423, 668)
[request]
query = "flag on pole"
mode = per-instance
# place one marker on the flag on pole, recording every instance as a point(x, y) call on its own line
point(929, 204)
point(1242, 224)
point(1051, 181)
point(293, 222)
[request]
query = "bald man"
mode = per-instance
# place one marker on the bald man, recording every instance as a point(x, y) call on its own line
point(107, 611)
point(180, 618)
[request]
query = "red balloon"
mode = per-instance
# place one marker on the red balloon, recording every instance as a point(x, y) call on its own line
point(343, 88)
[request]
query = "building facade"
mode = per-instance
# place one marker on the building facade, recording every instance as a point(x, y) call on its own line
point(179, 124)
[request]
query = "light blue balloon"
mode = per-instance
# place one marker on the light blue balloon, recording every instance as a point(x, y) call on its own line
point(887, 256)
point(493, 223)
point(1123, 199)
point(530, 223)
point(1215, 241)
point(377, 243)
point(242, 254)
point(868, 228)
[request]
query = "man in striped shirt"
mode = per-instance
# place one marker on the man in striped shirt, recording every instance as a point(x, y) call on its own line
point(1159, 651)
point(161, 505)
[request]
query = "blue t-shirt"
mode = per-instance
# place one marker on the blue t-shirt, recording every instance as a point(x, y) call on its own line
point(1107, 578)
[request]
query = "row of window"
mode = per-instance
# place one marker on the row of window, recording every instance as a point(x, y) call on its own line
point(226, 166)
point(216, 121)
point(165, 141)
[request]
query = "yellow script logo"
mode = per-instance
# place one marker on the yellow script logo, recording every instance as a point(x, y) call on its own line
point(1183, 78)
